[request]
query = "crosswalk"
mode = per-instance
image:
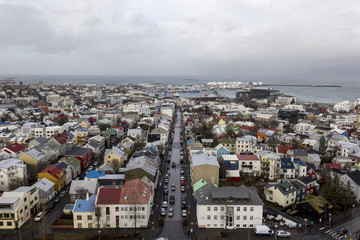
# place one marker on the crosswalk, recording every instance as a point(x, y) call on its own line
point(335, 235)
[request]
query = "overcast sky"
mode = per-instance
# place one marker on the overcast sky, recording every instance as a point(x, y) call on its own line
point(186, 37)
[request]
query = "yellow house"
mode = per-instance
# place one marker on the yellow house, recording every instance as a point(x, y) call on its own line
point(128, 144)
point(221, 122)
point(80, 137)
point(32, 158)
point(54, 174)
point(115, 154)
point(85, 124)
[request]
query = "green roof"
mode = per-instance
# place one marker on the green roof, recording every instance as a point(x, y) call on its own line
point(317, 202)
point(228, 140)
point(73, 161)
point(199, 184)
point(110, 131)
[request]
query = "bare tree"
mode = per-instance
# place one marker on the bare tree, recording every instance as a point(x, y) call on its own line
point(98, 216)
point(115, 165)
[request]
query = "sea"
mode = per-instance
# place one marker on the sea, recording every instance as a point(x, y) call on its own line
point(349, 90)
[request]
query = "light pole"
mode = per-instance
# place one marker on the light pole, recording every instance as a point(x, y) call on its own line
point(329, 220)
point(305, 224)
point(353, 211)
point(276, 226)
point(19, 231)
point(99, 234)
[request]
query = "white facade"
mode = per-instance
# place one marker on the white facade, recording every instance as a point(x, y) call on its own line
point(12, 170)
point(244, 144)
point(304, 128)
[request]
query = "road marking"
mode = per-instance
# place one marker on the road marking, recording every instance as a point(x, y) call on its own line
point(328, 231)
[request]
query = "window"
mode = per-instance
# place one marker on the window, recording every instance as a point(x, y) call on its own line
point(244, 217)
point(1, 223)
point(89, 217)
point(215, 217)
point(251, 217)
point(237, 217)
point(245, 209)
point(222, 217)
point(208, 217)
point(122, 217)
point(107, 217)
point(238, 209)
point(215, 209)
point(222, 208)
point(142, 208)
point(78, 217)
point(79, 225)
point(107, 210)
point(9, 223)
point(126, 208)
point(209, 209)
point(90, 225)
point(122, 209)
point(251, 209)
point(251, 225)
point(116, 209)
point(130, 209)
point(244, 225)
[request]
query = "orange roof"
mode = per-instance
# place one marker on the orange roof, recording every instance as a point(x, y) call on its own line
point(135, 192)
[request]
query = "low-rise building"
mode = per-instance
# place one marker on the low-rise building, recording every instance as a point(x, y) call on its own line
point(282, 194)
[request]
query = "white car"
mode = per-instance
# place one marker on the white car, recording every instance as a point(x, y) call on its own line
point(171, 212)
point(184, 213)
point(282, 233)
point(182, 178)
point(38, 217)
point(165, 204)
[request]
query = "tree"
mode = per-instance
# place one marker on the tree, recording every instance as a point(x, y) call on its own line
point(115, 165)
point(15, 183)
point(98, 215)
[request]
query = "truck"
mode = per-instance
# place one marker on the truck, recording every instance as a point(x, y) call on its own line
point(263, 230)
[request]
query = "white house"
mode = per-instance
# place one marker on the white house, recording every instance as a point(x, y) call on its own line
point(12, 171)
point(244, 144)
point(227, 207)
point(304, 128)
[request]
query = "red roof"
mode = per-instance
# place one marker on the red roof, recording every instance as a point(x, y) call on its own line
point(109, 195)
point(245, 127)
point(15, 147)
point(55, 171)
point(247, 158)
point(329, 166)
point(61, 138)
point(283, 149)
point(135, 192)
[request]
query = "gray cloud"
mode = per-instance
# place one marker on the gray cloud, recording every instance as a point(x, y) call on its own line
point(167, 37)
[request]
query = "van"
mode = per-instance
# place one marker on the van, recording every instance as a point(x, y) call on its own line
point(262, 230)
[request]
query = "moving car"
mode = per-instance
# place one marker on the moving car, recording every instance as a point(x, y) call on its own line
point(184, 213)
point(163, 212)
point(173, 164)
point(282, 233)
point(183, 202)
point(172, 199)
point(173, 187)
point(39, 216)
point(342, 231)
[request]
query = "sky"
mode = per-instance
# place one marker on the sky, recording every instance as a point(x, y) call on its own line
point(187, 37)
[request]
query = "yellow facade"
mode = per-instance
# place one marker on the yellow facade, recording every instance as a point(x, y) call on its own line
point(59, 182)
point(108, 159)
point(85, 124)
point(29, 160)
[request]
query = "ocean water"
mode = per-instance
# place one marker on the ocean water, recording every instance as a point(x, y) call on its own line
point(349, 91)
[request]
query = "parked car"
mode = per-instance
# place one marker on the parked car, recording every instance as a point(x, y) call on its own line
point(166, 181)
point(342, 231)
point(164, 204)
point(183, 202)
point(262, 230)
point(182, 171)
point(182, 183)
point(182, 188)
point(171, 212)
point(173, 187)
point(57, 200)
point(184, 213)
point(165, 197)
point(39, 216)
point(282, 233)
point(182, 178)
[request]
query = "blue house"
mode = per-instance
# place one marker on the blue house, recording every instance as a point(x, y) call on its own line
point(230, 162)
point(221, 150)
point(287, 168)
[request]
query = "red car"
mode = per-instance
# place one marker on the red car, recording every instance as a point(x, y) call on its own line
point(182, 182)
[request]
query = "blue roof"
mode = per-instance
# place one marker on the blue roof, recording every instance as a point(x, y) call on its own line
point(95, 174)
point(286, 163)
point(299, 161)
point(82, 205)
point(190, 141)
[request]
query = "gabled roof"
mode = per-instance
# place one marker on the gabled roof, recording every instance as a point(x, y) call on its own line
point(355, 176)
point(283, 149)
point(78, 151)
point(135, 192)
point(55, 171)
point(61, 138)
point(44, 184)
point(300, 152)
point(286, 163)
point(15, 147)
point(306, 179)
point(72, 161)
point(109, 195)
point(85, 205)
point(318, 203)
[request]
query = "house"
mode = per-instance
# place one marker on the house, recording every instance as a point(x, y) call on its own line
point(244, 144)
point(83, 154)
point(227, 207)
point(347, 148)
point(34, 159)
point(314, 159)
point(311, 186)
point(95, 148)
point(79, 188)
point(118, 206)
point(158, 134)
point(315, 207)
point(345, 162)
point(67, 170)
point(37, 141)
point(283, 150)
point(46, 190)
point(118, 154)
point(141, 166)
point(230, 162)
point(84, 213)
point(60, 140)
point(282, 193)
point(13, 150)
point(313, 172)
point(292, 168)
point(13, 173)
point(270, 164)
point(112, 180)
point(229, 143)
point(100, 140)
point(16, 207)
point(304, 128)
point(75, 165)
point(203, 166)
point(221, 150)
point(249, 165)
point(54, 174)
point(300, 153)
point(135, 133)
point(352, 178)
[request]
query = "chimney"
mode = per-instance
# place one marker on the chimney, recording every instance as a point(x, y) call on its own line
point(87, 195)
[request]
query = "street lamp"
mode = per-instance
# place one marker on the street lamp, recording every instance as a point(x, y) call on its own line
point(353, 210)
point(99, 234)
point(19, 229)
point(305, 224)
point(276, 230)
point(329, 220)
